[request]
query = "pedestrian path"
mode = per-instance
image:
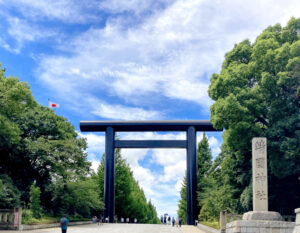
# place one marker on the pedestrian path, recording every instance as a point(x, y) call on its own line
point(119, 228)
point(191, 229)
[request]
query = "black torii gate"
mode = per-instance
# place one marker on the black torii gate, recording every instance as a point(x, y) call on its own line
point(110, 127)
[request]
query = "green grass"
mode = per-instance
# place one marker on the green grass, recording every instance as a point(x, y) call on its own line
point(27, 218)
point(42, 220)
point(213, 224)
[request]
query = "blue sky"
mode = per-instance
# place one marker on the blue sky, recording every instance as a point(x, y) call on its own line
point(131, 60)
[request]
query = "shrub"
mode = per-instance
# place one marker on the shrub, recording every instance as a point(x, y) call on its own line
point(35, 201)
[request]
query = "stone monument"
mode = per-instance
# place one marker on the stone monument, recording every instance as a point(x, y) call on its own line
point(260, 183)
point(260, 219)
point(259, 174)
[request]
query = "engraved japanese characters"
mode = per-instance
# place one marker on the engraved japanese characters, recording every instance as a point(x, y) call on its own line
point(259, 174)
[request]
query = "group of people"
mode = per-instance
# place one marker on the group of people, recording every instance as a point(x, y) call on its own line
point(128, 220)
point(102, 220)
point(164, 220)
point(170, 221)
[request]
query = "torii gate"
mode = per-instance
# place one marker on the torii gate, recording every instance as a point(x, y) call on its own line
point(110, 127)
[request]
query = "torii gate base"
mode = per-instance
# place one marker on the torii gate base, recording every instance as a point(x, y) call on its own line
point(110, 127)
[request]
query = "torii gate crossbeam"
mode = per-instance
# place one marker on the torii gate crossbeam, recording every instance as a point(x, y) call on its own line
point(111, 127)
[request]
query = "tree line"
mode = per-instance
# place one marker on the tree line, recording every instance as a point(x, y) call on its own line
point(130, 200)
point(256, 94)
point(44, 166)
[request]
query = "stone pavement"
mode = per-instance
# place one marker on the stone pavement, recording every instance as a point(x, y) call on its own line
point(191, 229)
point(118, 228)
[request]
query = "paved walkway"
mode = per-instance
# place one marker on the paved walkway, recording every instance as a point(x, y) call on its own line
point(191, 229)
point(119, 228)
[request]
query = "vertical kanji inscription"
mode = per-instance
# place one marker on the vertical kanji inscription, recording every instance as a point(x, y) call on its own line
point(259, 174)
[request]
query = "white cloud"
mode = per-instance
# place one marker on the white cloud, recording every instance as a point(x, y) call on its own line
point(167, 157)
point(7, 47)
point(95, 165)
point(96, 142)
point(213, 142)
point(134, 155)
point(71, 11)
point(119, 112)
point(146, 179)
point(152, 136)
point(22, 32)
point(174, 172)
point(135, 6)
point(215, 146)
point(178, 185)
point(172, 53)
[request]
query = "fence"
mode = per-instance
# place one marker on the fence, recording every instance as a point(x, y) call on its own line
point(10, 219)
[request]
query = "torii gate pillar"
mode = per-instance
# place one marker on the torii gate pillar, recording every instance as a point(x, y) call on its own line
point(109, 174)
point(191, 175)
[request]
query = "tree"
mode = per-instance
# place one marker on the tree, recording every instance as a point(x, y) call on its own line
point(15, 98)
point(49, 152)
point(35, 200)
point(204, 163)
point(257, 94)
point(81, 197)
point(182, 205)
point(152, 214)
point(218, 194)
point(38, 146)
point(9, 194)
point(130, 200)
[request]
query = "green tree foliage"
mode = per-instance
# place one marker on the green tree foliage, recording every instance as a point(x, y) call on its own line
point(182, 205)
point(152, 214)
point(78, 197)
point(217, 195)
point(130, 200)
point(257, 94)
point(35, 200)
point(204, 163)
point(9, 194)
point(36, 144)
point(15, 98)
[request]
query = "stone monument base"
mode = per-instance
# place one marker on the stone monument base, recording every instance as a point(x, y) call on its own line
point(259, 226)
point(262, 215)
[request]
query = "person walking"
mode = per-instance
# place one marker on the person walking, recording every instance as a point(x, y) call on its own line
point(64, 224)
point(173, 221)
point(100, 220)
point(179, 222)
